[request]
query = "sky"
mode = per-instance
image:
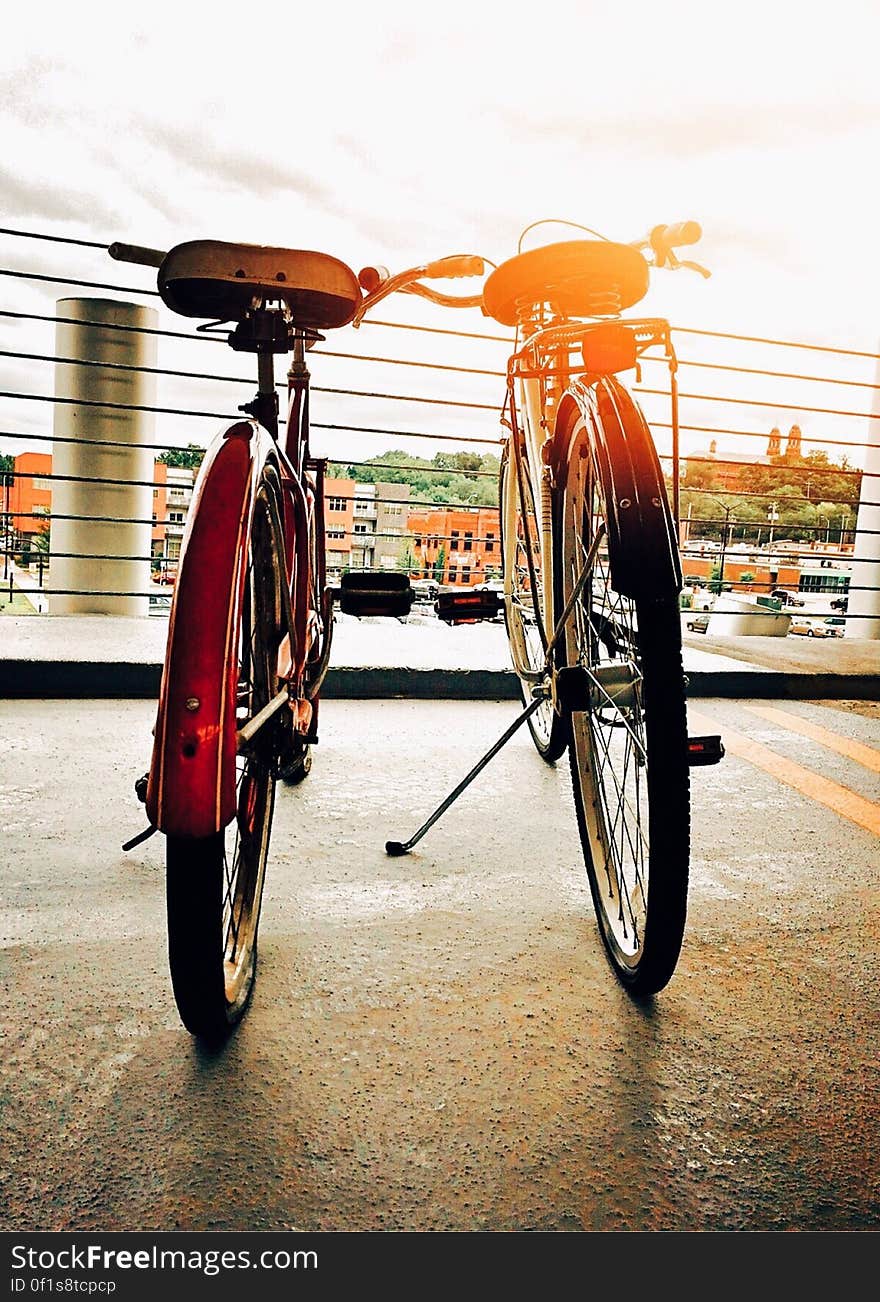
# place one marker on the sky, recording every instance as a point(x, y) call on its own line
point(396, 133)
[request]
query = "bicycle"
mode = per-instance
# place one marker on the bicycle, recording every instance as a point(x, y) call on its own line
point(592, 577)
point(250, 627)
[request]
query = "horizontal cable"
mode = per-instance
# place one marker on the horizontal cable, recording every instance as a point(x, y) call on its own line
point(408, 434)
point(79, 284)
point(94, 443)
point(219, 415)
point(773, 496)
point(56, 239)
point(401, 361)
point(438, 330)
point(776, 375)
point(216, 338)
point(412, 502)
point(774, 467)
point(756, 434)
point(428, 470)
point(758, 402)
point(235, 379)
point(782, 343)
point(51, 554)
point(115, 325)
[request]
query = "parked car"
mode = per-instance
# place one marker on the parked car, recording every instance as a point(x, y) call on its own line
point(814, 628)
point(787, 598)
point(425, 589)
point(698, 623)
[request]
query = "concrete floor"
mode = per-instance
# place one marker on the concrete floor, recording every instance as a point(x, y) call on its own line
point(436, 1042)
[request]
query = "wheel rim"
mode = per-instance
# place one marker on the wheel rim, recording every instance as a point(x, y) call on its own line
point(608, 742)
point(246, 838)
point(524, 623)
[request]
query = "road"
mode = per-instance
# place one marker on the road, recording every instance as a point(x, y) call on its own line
point(436, 1042)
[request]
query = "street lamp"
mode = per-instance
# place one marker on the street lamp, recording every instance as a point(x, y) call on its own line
point(725, 530)
point(772, 516)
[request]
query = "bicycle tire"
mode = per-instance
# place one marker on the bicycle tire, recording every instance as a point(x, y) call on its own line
point(214, 884)
point(526, 635)
point(628, 755)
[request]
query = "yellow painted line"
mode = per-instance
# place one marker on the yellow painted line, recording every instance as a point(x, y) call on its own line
point(845, 803)
point(854, 750)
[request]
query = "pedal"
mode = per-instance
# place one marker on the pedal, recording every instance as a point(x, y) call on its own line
point(376, 592)
point(468, 607)
point(705, 750)
point(140, 788)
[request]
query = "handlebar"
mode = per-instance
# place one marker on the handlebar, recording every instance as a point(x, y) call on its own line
point(136, 253)
point(670, 237)
point(662, 239)
point(378, 283)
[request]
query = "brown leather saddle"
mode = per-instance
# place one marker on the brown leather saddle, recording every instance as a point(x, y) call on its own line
point(218, 280)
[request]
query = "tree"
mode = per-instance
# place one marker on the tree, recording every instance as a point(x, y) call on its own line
point(188, 458)
point(408, 560)
point(440, 565)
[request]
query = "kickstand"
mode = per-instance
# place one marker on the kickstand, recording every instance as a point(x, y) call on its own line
point(396, 848)
point(141, 836)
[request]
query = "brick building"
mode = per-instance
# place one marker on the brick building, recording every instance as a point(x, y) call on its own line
point(456, 545)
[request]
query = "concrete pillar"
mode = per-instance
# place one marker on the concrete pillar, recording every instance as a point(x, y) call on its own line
point(93, 339)
point(866, 552)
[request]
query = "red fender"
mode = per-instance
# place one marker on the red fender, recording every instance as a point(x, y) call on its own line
point(191, 789)
point(641, 535)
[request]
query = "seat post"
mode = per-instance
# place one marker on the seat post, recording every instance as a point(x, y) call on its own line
point(264, 407)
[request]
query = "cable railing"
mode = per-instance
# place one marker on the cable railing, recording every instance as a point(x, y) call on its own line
point(784, 512)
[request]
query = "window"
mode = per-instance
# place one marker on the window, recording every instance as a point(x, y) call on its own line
point(466, 574)
point(359, 527)
point(392, 510)
point(453, 575)
point(42, 485)
point(335, 533)
point(468, 540)
point(453, 546)
point(175, 517)
point(490, 542)
point(417, 542)
point(362, 508)
point(335, 503)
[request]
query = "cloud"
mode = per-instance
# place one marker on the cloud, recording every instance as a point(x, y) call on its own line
point(701, 131)
point(45, 201)
point(236, 169)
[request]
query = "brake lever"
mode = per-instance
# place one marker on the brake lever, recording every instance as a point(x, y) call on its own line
point(696, 266)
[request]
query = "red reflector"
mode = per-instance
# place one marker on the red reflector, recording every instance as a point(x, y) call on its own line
point(609, 347)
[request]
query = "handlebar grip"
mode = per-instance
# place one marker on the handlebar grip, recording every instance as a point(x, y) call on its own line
point(136, 253)
point(670, 237)
point(370, 278)
point(461, 264)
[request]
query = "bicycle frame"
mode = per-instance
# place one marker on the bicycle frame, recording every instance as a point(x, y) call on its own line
point(191, 788)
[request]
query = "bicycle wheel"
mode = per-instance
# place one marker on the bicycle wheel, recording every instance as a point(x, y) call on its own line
point(628, 748)
point(524, 608)
point(214, 885)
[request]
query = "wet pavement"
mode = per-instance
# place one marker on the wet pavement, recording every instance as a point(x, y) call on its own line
point(436, 1042)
